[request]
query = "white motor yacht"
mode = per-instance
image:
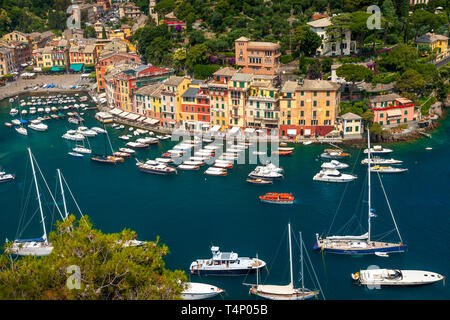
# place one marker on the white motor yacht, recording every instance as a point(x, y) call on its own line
point(395, 277)
point(334, 164)
point(378, 149)
point(333, 175)
point(380, 161)
point(197, 291)
point(385, 169)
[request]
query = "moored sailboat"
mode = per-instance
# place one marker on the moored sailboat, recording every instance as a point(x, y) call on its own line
point(362, 244)
point(285, 292)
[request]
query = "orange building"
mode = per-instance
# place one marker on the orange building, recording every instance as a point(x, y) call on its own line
point(261, 58)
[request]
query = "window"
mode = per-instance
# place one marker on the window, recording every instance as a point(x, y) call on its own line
point(328, 103)
point(302, 103)
point(302, 113)
point(356, 128)
point(314, 103)
point(381, 115)
point(327, 113)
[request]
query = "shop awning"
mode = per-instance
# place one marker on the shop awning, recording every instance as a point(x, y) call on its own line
point(234, 130)
point(56, 69)
point(76, 67)
point(292, 132)
point(394, 113)
point(307, 132)
point(215, 128)
point(151, 121)
point(133, 116)
point(115, 111)
point(141, 119)
point(124, 114)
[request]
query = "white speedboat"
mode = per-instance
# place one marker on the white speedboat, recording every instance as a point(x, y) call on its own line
point(32, 110)
point(24, 112)
point(333, 175)
point(98, 130)
point(4, 177)
point(269, 171)
point(16, 122)
point(385, 169)
point(193, 163)
point(395, 277)
point(81, 149)
point(380, 161)
point(73, 136)
point(136, 145)
point(87, 132)
point(13, 111)
point(127, 150)
point(148, 140)
point(188, 167)
point(212, 171)
point(124, 137)
point(307, 142)
point(197, 291)
point(225, 263)
point(378, 149)
point(334, 164)
point(22, 130)
point(164, 160)
point(38, 126)
point(160, 169)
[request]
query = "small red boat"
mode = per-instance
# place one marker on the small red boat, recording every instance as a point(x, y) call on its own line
point(277, 198)
point(283, 153)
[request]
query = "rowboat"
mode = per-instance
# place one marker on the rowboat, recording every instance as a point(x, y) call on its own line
point(259, 181)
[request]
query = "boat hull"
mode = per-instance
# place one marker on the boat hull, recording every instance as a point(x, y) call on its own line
point(223, 272)
point(394, 248)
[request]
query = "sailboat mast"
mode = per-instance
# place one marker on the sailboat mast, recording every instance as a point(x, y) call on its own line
point(368, 184)
point(290, 256)
point(62, 192)
point(301, 257)
point(38, 195)
point(257, 272)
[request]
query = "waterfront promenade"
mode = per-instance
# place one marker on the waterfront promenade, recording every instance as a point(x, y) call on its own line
point(62, 83)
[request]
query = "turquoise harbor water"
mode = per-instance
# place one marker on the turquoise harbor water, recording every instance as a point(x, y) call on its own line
point(192, 211)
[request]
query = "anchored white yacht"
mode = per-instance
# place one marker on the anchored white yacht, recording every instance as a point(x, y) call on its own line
point(378, 149)
point(334, 164)
point(197, 291)
point(333, 175)
point(225, 263)
point(395, 277)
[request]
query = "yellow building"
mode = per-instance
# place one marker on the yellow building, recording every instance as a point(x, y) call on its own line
point(263, 104)
point(177, 85)
point(219, 97)
point(17, 36)
point(238, 88)
point(438, 43)
point(308, 108)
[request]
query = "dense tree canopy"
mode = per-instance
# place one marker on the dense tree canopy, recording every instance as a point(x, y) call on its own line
point(107, 269)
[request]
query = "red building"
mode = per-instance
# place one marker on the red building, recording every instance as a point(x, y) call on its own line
point(194, 113)
point(109, 58)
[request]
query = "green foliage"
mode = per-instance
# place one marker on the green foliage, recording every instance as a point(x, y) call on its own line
point(205, 71)
point(401, 58)
point(197, 54)
point(426, 105)
point(306, 41)
point(286, 58)
point(89, 32)
point(109, 271)
point(410, 82)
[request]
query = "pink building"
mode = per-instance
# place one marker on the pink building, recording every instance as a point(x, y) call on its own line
point(392, 109)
